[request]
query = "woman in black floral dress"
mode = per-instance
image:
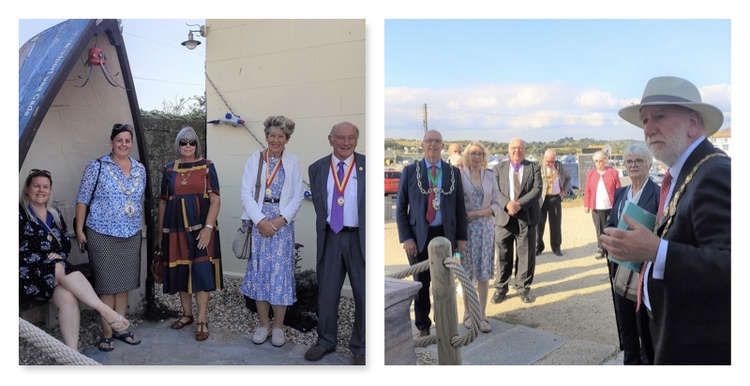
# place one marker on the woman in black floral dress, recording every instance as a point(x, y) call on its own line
point(44, 272)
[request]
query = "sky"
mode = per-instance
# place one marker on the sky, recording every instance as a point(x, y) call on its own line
point(542, 79)
point(162, 69)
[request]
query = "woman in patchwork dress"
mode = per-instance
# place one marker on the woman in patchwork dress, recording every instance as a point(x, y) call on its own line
point(482, 199)
point(269, 279)
point(189, 242)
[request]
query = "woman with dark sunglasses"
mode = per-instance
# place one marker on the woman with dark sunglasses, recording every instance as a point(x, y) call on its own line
point(189, 242)
point(111, 190)
point(44, 272)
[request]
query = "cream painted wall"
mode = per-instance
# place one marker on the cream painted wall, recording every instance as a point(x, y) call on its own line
point(76, 130)
point(312, 71)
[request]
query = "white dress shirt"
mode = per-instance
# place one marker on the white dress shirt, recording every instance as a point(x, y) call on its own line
point(512, 190)
point(351, 215)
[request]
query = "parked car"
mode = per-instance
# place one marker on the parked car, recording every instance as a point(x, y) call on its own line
point(392, 178)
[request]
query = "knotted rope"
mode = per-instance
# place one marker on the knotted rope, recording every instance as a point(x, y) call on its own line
point(61, 353)
point(468, 289)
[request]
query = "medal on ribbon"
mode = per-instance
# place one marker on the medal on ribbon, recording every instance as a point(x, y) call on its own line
point(270, 174)
point(341, 185)
point(435, 188)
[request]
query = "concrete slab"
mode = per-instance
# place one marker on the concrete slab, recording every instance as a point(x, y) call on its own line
point(507, 344)
point(161, 345)
point(580, 352)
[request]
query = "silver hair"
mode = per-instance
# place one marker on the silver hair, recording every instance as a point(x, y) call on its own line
point(600, 155)
point(188, 134)
point(356, 129)
point(281, 122)
point(639, 149)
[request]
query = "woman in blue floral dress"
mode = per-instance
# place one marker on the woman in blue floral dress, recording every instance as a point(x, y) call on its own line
point(269, 279)
point(44, 272)
point(482, 199)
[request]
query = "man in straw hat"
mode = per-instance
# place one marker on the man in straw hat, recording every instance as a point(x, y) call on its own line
point(685, 281)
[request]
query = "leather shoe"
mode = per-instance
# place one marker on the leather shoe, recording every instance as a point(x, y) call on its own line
point(317, 352)
point(527, 297)
point(557, 252)
point(499, 295)
point(358, 360)
point(425, 332)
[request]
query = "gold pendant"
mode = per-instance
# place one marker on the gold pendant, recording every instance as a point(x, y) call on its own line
point(268, 192)
point(436, 203)
point(340, 201)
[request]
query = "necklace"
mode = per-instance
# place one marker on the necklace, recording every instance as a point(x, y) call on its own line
point(129, 208)
point(185, 177)
point(435, 189)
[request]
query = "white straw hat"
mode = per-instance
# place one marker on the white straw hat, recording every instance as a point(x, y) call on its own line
point(670, 90)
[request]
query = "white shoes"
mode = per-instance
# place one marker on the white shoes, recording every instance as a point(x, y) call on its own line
point(260, 335)
point(277, 337)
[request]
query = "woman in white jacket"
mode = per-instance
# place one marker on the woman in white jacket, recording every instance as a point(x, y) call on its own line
point(269, 279)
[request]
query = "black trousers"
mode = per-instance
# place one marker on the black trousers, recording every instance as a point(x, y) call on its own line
point(553, 206)
point(342, 256)
point(635, 338)
point(600, 217)
point(523, 236)
point(422, 301)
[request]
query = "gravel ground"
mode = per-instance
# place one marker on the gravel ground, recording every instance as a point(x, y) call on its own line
point(226, 310)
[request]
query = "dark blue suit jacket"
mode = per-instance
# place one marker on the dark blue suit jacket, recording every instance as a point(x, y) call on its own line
point(649, 201)
point(412, 206)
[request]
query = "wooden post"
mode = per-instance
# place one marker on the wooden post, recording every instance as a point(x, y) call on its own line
point(444, 301)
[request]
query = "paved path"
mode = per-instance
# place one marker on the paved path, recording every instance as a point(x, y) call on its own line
point(162, 345)
point(572, 320)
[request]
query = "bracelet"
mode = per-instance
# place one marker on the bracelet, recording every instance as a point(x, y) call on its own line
point(209, 226)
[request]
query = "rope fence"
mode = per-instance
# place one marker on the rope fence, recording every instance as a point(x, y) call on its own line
point(58, 351)
point(457, 271)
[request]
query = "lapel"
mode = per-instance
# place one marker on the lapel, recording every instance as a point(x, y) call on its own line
point(526, 174)
point(360, 165)
point(701, 151)
point(504, 177)
point(325, 170)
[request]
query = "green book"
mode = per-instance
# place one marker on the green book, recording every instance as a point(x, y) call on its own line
point(643, 217)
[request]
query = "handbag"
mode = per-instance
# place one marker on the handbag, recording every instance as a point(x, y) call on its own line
point(88, 207)
point(242, 243)
point(626, 282)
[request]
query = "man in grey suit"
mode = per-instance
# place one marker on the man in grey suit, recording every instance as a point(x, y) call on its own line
point(555, 184)
point(520, 184)
point(430, 204)
point(337, 182)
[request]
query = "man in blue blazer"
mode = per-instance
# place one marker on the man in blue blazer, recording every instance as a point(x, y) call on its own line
point(430, 204)
point(686, 279)
point(338, 189)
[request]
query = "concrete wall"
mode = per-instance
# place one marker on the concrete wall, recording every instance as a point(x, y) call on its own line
point(312, 71)
point(75, 130)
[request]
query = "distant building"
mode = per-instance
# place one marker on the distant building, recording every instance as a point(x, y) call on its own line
point(721, 139)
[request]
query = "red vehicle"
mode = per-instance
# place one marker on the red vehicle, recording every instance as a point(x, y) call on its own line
point(392, 178)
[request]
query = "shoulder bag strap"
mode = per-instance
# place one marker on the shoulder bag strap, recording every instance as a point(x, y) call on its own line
point(257, 178)
point(96, 183)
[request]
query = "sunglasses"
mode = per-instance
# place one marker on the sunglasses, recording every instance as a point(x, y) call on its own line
point(191, 143)
point(40, 172)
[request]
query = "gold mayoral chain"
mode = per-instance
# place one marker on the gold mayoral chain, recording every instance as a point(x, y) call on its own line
point(341, 185)
point(185, 177)
point(437, 190)
point(129, 205)
point(270, 174)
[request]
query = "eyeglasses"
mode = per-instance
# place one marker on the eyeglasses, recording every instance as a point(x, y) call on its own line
point(637, 161)
point(191, 143)
point(40, 172)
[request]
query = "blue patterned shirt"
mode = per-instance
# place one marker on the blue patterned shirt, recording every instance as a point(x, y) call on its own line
point(110, 202)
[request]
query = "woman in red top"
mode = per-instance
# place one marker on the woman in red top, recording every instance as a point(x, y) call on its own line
point(599, 194)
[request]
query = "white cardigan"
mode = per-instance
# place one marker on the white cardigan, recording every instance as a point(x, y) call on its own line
point(292, 191)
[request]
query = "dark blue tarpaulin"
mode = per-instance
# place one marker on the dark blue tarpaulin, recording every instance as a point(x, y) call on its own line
point(41, 61)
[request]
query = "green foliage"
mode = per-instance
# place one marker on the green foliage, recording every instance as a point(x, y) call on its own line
point(191, 108)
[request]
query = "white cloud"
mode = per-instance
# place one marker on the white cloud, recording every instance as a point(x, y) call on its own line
point(531, 111)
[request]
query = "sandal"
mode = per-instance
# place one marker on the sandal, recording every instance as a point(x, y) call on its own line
point(128, 335)
point(182, 322)
point(120, 325)
point(200, 334)
point(105, 344)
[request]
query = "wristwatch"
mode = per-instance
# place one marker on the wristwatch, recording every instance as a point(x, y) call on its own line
point(209, 226)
